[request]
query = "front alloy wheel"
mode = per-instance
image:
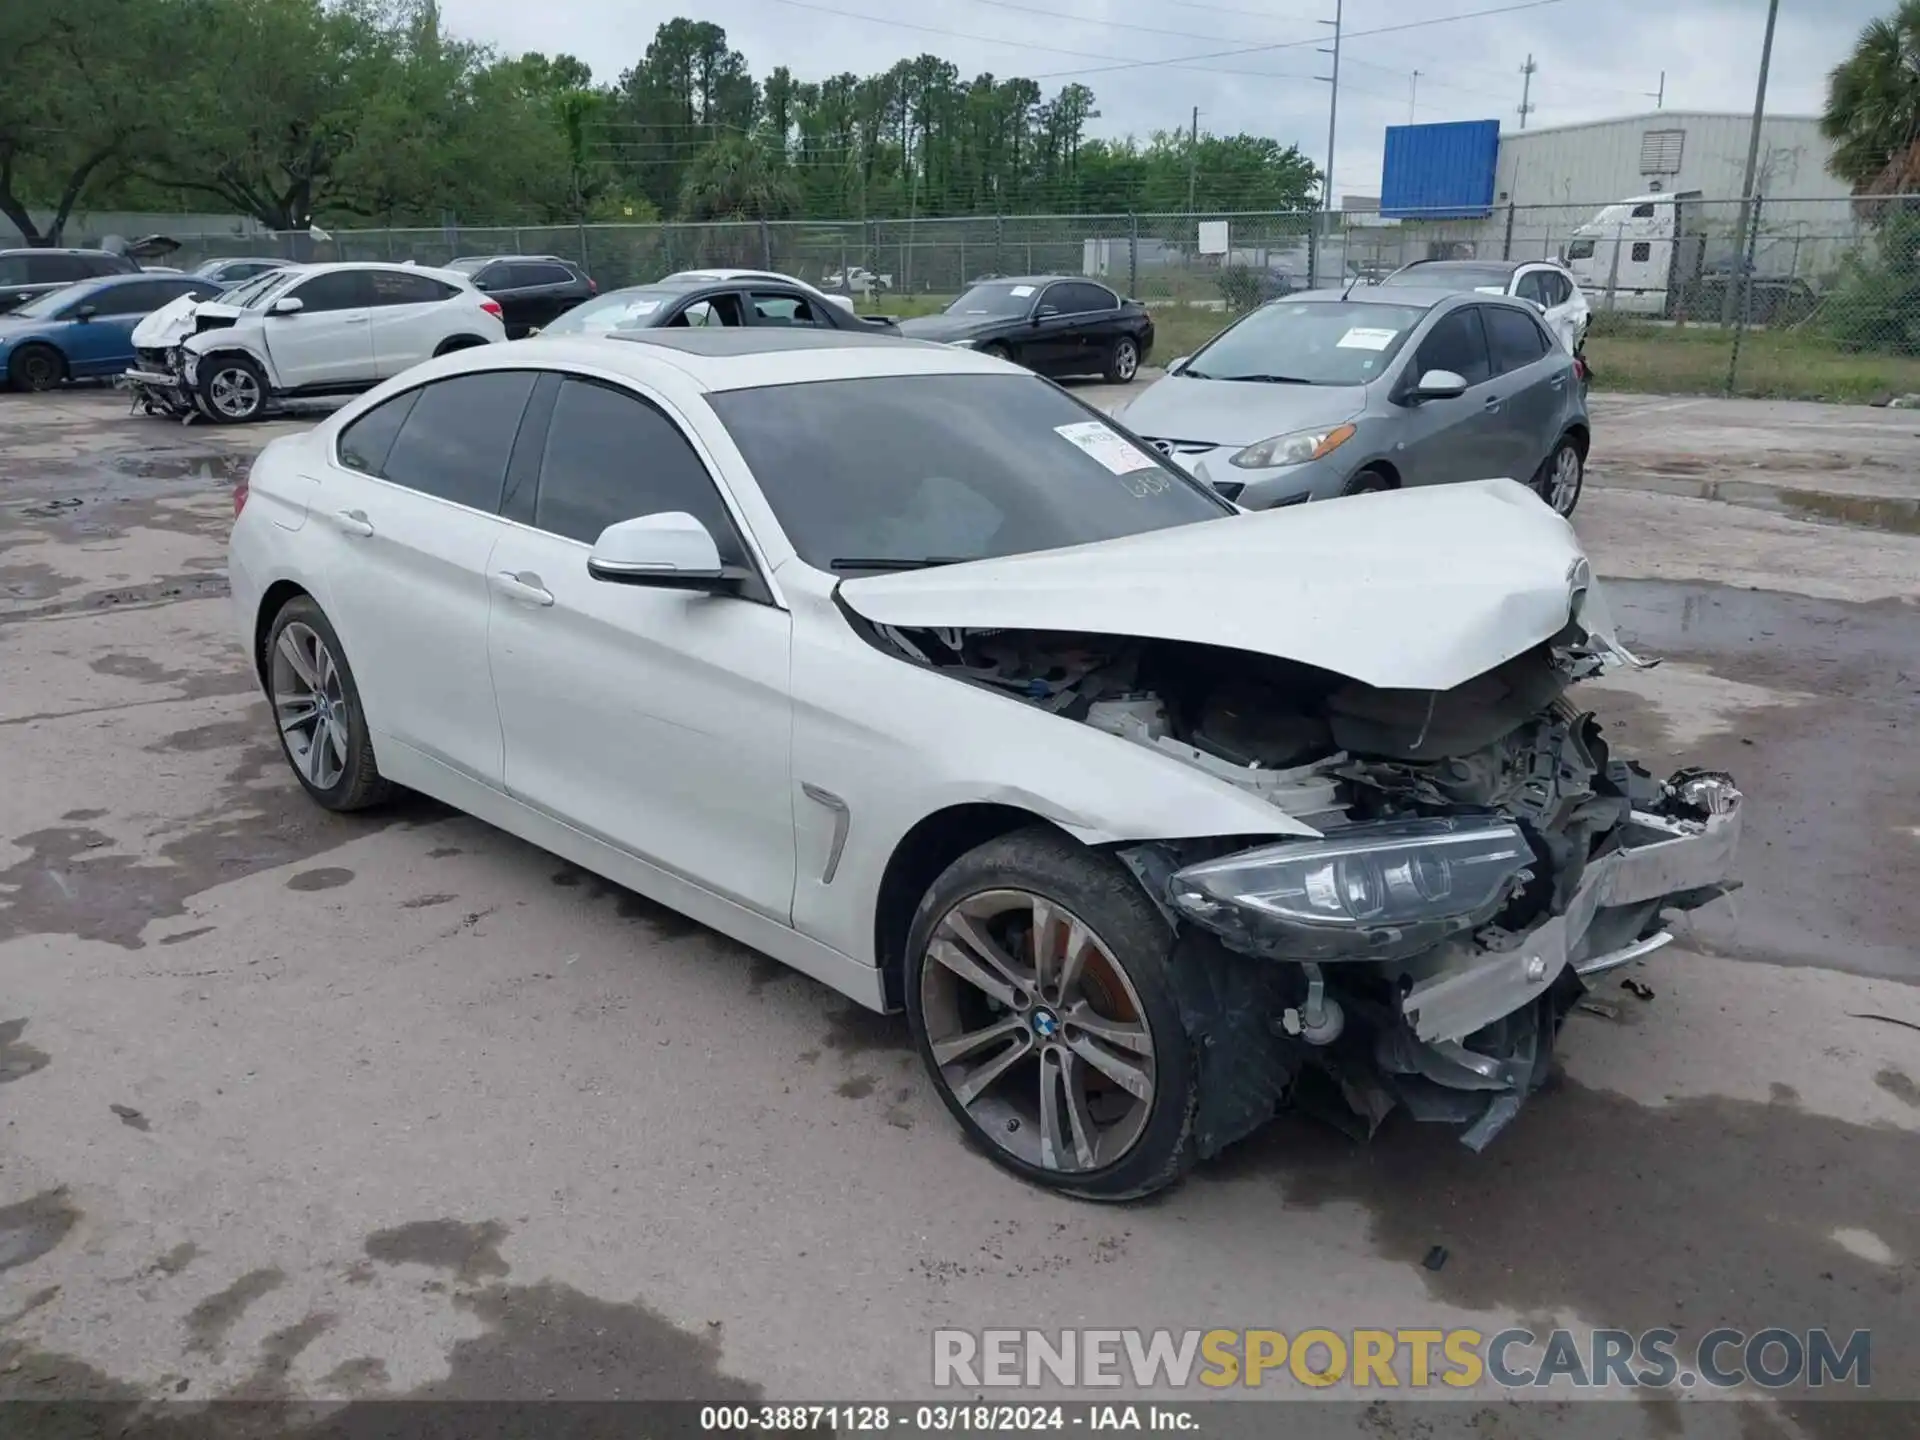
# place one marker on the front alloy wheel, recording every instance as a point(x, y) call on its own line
point(1041, 1007)
point(232, 389)
point(1561, 478)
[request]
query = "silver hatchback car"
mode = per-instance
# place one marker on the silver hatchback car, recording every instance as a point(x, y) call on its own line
point(1323, 394)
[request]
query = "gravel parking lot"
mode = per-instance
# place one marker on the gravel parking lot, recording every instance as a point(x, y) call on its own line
point(297, 1104)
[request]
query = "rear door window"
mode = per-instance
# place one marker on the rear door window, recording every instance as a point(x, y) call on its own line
point(1083, 299)
point(60, 269)
point(1456, 343)
point(713, 310)
point(528, 273)
point(783, 309)
point(396, 287)
point(458, 437)
point(1514, 339)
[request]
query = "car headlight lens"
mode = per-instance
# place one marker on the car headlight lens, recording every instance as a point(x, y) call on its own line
point(1382, 890)
point(1294, 449)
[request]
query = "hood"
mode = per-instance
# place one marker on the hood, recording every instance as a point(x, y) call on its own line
point(1237, 412)
point(1408, 590)
point(950, 327)
point(12, 327)
point(167, 326)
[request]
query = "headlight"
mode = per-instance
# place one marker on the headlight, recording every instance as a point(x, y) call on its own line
point(1377, 891)
point(1295, 449)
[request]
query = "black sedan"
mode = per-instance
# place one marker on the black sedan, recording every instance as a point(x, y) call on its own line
point(1055, 324)
point(737, 301)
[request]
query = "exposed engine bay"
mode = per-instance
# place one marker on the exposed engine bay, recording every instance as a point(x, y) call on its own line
point(1484, 854)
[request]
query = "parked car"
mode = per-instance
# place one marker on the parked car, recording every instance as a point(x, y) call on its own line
point(308, 331)
point(85, 330)
point(909, 669)
point(1328, 393)
point(1549, 287)
point(700, 303)
point(692, 277)
point(27, 273)
point(533, 290)
point(233, 269)
point(857, 280)
point(1055, 324)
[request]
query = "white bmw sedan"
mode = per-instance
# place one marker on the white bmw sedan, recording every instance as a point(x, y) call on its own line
point(909, 669)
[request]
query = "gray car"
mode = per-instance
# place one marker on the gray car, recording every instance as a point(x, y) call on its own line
point(1324, 394)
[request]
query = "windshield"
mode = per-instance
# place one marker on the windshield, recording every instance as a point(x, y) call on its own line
point(619, 310)
point(895, 471)
point(1453, 277)
point(1011, 301)
point(45, 307)
point(1308, 343)
point(262, 290)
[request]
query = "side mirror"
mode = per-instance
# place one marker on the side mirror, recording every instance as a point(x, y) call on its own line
point(1174, 367)
point(671, 550)
point(1045, 312)
point(1439, 385)
point(85, 312)
point(289, 305)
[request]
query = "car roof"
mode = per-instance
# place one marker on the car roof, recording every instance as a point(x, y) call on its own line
point(745, 358)
point(59, 250)
point(1038, 280)
point(1448, 266)
point(489, 259)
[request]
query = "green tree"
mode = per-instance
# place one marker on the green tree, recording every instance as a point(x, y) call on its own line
point(79, 101)
point(1872, 112)
point(733, 179)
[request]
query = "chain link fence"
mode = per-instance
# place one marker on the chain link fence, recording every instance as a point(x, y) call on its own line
point(1811, 298)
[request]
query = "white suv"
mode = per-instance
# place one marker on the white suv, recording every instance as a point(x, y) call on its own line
point(307, 331)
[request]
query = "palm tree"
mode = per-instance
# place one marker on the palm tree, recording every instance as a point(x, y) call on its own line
point(1873, 107)
point(731, 179)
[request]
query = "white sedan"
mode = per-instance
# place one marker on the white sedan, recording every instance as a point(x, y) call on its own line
point(909, 669)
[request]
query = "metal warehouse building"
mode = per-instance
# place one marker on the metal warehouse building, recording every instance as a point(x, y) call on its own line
point(1464, 189)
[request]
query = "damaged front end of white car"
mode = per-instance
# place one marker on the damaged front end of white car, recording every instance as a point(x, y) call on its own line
point(1472, 854)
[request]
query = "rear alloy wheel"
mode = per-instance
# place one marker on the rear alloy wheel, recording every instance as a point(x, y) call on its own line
point(1562, 476)
point(316, 706)
point(1039, 999)
point(232, 389)
point(36, 367)
point(1123, 361)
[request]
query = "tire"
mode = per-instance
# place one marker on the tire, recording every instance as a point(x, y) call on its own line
point(1366, 482)
point(1562, 477)
point(331, 755)
point(36, 368)
point(1123, 361)
point(1114, 1144)
point(467, 342)
point(231, 390)
point(997, 351)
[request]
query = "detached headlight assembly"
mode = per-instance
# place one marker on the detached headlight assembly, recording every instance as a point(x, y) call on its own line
point(1383, 890)
point(1295, 449)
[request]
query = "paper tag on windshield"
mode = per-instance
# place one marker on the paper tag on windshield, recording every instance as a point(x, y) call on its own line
point(1021, 290)
point(642, 307)
point(1366, 339)
point(1111, 450)
point(1488, 290)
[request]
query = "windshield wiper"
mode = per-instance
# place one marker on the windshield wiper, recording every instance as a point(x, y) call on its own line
point(1265, 379)
point(925, 562)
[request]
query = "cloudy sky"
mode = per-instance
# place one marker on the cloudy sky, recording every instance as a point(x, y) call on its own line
point(1596, 58)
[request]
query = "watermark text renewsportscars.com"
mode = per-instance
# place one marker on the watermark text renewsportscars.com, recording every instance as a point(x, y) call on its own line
point(1408, 1359)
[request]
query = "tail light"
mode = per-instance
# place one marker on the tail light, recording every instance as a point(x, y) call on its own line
point(492, 307)
point(240, 492)
point(593, 286)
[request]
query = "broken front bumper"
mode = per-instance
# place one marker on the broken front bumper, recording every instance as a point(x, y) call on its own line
point(1661, 863)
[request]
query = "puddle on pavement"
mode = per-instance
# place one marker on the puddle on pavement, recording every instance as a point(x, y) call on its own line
point(215, 467)
point(1891, 514)
point(34, 1226)
point(1873, 512)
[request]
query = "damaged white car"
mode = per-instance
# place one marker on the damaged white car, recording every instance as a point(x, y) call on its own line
point(909, 669)
point(303, 332)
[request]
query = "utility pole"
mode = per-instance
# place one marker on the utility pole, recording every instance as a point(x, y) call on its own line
point(1753, 151)
point(1413, 94)
point(1333, 122)
point(1659, 97)
point(1193, 158)
point(1526, 90)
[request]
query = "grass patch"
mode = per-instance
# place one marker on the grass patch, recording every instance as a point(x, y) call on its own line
point(1774, 365)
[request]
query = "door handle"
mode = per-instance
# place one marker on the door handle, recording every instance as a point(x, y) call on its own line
point(354, 522)
point(1493, 403)
point(524, 587)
